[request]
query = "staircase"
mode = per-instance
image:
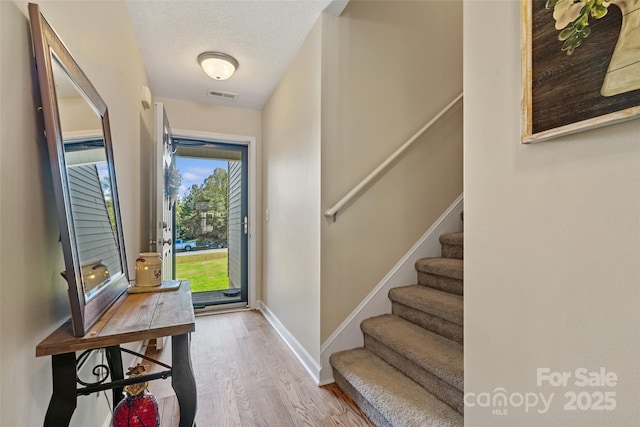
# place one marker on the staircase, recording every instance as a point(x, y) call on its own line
point(410, 370)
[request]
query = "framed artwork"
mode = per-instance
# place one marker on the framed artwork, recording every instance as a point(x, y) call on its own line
point(580, 65)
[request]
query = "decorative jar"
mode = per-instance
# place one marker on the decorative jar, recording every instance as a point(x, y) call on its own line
point(149, 269)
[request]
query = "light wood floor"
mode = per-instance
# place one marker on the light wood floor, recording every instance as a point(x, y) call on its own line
point(247, 376)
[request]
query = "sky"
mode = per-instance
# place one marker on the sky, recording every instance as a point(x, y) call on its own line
point(194, 171)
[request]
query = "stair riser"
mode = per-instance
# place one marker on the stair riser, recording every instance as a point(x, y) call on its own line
point(453, 251)
point(430, 382)
point(442, 283)
point(432, 323)
point(369, 410)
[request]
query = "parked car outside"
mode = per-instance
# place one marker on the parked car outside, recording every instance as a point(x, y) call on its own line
point(185, 245)
point(215, 245)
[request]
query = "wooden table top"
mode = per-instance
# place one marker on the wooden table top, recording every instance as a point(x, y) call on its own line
point(133, 317)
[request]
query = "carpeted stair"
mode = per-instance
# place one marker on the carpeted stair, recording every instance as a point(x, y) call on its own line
point(410, 370)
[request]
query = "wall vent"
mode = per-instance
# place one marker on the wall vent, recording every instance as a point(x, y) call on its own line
point(224, 95)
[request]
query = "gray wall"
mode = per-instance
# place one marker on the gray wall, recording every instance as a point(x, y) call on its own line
point(388, 67)
point(291, 193)
point(552, 243)
point(33, 296)
point(342, 108)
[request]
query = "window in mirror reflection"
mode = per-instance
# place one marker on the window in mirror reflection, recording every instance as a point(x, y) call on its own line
point(89, 183)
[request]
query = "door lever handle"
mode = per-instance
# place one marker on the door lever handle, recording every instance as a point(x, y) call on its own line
point(244, 223)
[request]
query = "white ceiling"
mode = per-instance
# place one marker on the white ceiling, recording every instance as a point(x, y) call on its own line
point(262, 35)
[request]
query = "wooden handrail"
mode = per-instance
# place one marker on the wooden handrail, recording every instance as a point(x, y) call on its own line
point(358, 188)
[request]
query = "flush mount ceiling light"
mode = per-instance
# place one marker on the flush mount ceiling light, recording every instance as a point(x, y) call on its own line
point(219, 66)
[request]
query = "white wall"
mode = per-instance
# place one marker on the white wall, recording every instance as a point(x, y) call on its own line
point(212, 118)
point(552, 243)
point(33, 296)
point(388, 68)
point(291, 192)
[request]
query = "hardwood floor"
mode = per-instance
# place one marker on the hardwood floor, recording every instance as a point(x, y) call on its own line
point(247, 376)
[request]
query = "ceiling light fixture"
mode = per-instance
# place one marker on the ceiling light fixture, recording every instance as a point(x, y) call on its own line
point(218, 66)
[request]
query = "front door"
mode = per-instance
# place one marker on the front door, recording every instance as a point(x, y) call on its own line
point(167, 186)
point(212, 214)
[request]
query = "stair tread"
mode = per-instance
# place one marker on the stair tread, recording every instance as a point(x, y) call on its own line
point(399, 399)
point(432, 352)
point(448, 267)
point(444, 305)
point(452, 238)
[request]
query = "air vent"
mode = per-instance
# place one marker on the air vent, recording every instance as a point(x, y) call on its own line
point(224, 95)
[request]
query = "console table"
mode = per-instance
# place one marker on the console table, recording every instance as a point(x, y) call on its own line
point(133, 317)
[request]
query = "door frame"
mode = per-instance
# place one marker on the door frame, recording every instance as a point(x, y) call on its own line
point(252, 196)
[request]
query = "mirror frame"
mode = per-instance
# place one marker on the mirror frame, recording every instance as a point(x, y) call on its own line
point(84, 312)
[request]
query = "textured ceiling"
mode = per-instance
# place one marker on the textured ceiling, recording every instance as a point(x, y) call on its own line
point(263, 36)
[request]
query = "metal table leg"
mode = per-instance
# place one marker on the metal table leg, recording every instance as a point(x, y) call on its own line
point(114, 359)
point(182, 379)
point(64, 399)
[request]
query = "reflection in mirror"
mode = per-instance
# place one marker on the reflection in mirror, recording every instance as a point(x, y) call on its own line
point(89, 182)
point(76, 125)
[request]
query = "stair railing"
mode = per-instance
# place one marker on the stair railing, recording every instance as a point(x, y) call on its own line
point(333, 212)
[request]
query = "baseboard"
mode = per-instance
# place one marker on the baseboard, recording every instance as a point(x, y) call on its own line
point(348, 335)
point(298, 350)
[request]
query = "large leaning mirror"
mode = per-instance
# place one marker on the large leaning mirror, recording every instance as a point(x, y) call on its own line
point(76, 123)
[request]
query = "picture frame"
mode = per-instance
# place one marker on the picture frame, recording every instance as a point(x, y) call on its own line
point(580, 64)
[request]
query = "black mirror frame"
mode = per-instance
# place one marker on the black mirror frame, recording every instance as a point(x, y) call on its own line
point(84, 313)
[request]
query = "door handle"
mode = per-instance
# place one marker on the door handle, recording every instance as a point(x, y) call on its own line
point(244, 223)
point(166, 241)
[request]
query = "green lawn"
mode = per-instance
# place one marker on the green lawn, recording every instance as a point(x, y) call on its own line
point(206, 272)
